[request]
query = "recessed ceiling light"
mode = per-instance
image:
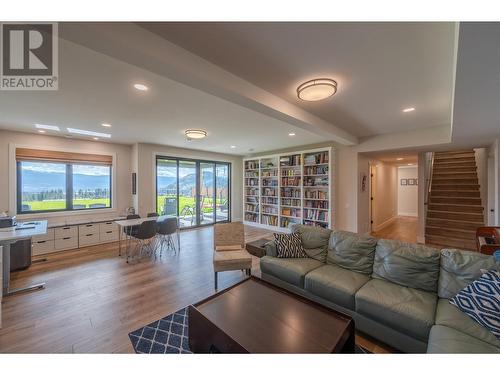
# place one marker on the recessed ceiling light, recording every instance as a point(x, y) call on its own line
point(47, 127)
point(106, 125)
point(141, 87)
point(409, 109)
point(232, 146)
point(88, 132)
point(410, 164)
point(41, 131)
point(96, 139)
point(291, 134)
point(317, 89)
point(195, 133)
point(399, 159)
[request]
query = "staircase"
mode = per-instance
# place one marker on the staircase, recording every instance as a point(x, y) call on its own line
point(454, 209)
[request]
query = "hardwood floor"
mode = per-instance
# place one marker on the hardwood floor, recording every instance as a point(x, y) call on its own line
point(403, 228)
point(93, 298)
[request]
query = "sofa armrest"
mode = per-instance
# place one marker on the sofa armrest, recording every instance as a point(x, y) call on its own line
point(271, 249)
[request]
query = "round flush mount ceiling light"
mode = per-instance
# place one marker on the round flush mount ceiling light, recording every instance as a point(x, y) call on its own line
point(195, 133)
point(409, 109)
point(317, 89)
point(140, 87)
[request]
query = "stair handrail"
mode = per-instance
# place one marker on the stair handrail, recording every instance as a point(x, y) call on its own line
point(428, 180)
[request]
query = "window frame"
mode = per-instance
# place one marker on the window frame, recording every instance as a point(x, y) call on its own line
point(69, 189)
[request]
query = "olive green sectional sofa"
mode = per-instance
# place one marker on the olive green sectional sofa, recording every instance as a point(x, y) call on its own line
point(396, 292)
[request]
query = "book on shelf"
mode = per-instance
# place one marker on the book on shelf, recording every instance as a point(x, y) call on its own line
point(269, 220)
point(290, 202)
point(269, 182)
point(316, 170)
point(316, 215)
point(251, 217)
point(316, 224)
point(269, 192)
point(290, 181)
point(316, 194)
point(316, 204)
point(252, 164)
point(287, 221)
point(290, 160)
point(316, 181)
point(269, 200)
point(290, 192)
point(316, 158)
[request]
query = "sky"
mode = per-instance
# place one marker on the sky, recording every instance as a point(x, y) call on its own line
point(90, 170)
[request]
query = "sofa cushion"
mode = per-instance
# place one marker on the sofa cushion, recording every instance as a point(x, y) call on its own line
point(291, 270)
point(410, 311)
point(481, 301)
point(450, 316)
point(335, 284)
point(352, 251)
point(314, 240)
point(446, 340)
point(289, 245)
point(459, 268)
point(412, 265)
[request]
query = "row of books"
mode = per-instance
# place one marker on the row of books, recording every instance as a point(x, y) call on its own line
point(251, 217)
point(291, 160)
point(319, 169)
point(270, 173)
point(290, 192)
point(269, 192)
point(251, 182)
point(316, 204)
point(290, 181)
point(252, 199)
point(270, 182)
point(252, 174)
point(315, 215)
point(316, 181)
point(269, 220)
point(252, 164)
point(317, 158)
point(316, 224)
point(270, 210)
point(290, 172)
point(251, 191)
point(295, 212)
point(269, 200)
point(252, 207)
point(316, 194)
point(290, 202)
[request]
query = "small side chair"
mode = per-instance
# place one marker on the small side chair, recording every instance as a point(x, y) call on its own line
point(229, 249)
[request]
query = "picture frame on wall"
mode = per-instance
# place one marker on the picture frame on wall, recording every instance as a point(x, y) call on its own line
point(404, 181)
point(411, 181)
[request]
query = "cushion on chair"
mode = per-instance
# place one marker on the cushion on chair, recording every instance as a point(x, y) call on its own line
point(408, 310)
point(459, 268)
point(314, 240)
point(228, 247)
point(450, 316)
point(290, 270)
point(232, 260)
point(412, 265)
point(446, 340)
point(289, 245)
point(335, 284)
point(481, 301)
point(352, 251)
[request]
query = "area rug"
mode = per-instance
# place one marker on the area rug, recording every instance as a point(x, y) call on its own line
point(170, 335)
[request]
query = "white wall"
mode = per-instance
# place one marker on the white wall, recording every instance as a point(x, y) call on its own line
point(385, 195)
point(494, 183)
point(407, 195)
point(122, 180)
point(146, 166)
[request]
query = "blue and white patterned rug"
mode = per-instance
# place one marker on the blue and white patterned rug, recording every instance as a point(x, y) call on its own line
point(170, 335)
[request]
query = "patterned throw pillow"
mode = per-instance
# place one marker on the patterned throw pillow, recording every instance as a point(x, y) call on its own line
point(289, 245)
point(481, 301)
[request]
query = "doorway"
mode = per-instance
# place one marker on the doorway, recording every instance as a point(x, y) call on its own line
point(195, 191)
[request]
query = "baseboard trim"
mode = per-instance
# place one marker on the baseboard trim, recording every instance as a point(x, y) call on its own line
point(384, 224)
point(421, 239)
point(411, 214)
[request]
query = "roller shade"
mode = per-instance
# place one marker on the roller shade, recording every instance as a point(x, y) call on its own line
point(63, 157)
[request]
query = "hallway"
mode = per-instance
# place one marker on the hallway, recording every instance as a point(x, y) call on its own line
point(403, 228)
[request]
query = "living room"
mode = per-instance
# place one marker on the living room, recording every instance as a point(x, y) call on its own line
point(249, 187)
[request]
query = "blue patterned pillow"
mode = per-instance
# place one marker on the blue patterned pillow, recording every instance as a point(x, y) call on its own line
point(481, 301)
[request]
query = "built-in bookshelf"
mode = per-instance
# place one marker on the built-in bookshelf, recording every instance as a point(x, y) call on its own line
point(289, 188)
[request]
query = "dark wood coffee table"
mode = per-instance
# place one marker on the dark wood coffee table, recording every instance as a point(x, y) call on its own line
point(255, 316)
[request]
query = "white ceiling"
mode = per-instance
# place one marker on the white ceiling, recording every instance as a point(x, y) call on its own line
point(95, 89)
point(381, 68)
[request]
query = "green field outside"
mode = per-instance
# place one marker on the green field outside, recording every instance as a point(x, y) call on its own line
point(187, 201)
point(61, 204)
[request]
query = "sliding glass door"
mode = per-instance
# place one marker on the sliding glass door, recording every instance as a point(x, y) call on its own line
point(195, 191)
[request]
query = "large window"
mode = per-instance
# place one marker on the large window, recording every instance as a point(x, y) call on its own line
point(49, 186)
point(196, 191)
